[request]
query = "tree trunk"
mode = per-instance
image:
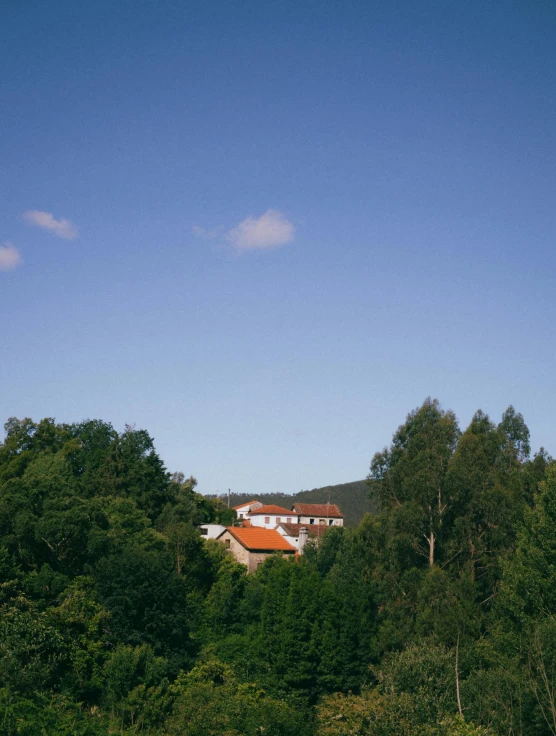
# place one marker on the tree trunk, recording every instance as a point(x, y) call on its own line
point(431, 540)
point(457, 678)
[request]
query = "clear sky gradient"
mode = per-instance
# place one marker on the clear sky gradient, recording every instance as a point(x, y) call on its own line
point(265, 231)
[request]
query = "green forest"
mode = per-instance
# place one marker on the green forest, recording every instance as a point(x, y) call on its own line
point(434, 616)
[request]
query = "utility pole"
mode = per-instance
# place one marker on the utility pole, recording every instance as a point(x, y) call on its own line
point(228, 498)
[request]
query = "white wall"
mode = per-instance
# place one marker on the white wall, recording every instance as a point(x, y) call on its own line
point(211, 531)
point(294, 541)
point(327, 519)
point(260, 520)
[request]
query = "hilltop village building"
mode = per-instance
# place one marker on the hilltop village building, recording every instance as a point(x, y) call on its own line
point(298, 534)
point(322, 514)
point(243, 509)
point(267, 529)
point(269, 516)
point(327, 514)
point(251, 545)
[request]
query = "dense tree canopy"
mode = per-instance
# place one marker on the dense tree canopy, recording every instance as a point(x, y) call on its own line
point(435, 616)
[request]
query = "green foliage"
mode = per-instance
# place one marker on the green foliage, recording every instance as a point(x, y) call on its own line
point(147, 602)
point(47, 716)
point(435, 615)
point(415, 694)
point(210, 700)
point(32, 650)
point(387, 714)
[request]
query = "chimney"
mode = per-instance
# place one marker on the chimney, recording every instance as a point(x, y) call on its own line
point(303, 537)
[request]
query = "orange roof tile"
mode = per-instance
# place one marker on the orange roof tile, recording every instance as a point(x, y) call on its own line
point(258, 538)
point(272, 511)
point(318, 509)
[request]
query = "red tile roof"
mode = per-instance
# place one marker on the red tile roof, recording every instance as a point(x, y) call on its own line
point(258, 538)
point(318, 509)
point(272, 511)
point(243, 505)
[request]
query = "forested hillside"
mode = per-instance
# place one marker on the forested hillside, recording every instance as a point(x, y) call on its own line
point(353, 498)
point(435, 616)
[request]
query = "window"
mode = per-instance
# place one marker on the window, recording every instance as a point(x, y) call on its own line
point(330, 522)
point(278, 520)
point(267, 519)
point(204, 532)
point(311, 521)
point(289, 520)
point(227, 541)
point(322, 521)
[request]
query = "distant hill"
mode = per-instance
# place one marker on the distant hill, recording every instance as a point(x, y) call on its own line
point(352, 498)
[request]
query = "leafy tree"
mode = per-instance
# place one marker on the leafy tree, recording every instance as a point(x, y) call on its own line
point(82, 623)
point(210, 700)
point(147, 602)
point(410, 475)
point(33, 653)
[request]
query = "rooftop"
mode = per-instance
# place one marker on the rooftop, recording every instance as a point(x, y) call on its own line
point(259, 538)
point(243, 505)
point(313, 530)
point(318, 509)
point(272, 511)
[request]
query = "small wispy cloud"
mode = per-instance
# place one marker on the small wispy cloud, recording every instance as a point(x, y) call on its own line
point(207, 234)
point(46, 221)
point(10, 257)
point(270, 230)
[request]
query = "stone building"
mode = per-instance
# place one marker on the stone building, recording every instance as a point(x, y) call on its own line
point(252, 545)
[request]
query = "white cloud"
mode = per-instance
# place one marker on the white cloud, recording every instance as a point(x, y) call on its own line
point(202, 232)
point(10, 257)
point(259, 233)
point(61, 228)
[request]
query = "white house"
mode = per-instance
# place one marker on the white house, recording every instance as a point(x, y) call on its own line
point(293, 534)
point(211, 531)
point(269, 516)
point(243, 509)
point(324, 514)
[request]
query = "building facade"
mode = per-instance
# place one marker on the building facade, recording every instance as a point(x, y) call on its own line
point(251, 546)
point(269, 516)
point(243, 509)
point(323, 514)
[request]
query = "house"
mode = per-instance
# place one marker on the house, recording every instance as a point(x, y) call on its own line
point(325, 514)
point(269, 516)
point(293, 534)
point(252, 545)
point(267, 528)
point(243, 509)
point(211, 531)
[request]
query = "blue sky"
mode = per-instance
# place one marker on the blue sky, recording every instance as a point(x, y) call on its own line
point(265, 231)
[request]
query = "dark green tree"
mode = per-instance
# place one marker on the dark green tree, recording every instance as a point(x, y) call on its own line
point(411, 476)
